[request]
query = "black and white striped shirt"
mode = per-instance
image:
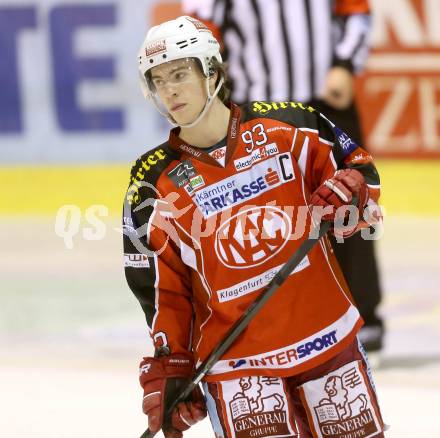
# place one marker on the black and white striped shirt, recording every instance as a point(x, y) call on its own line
point(283, 49)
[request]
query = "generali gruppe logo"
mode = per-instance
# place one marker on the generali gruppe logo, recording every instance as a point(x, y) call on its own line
point(253, 236)
point(257, 407)
point(340, 404)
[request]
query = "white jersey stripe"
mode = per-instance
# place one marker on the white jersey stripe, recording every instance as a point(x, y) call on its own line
point(341, 328)
point(302, 160)
point(330, 143)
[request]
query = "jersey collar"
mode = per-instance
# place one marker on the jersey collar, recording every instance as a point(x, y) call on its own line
point(200, 154)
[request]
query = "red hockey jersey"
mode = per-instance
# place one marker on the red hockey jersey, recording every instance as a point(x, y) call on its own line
point(204, 236)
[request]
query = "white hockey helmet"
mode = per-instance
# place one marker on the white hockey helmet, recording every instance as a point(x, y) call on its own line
point(184, 37)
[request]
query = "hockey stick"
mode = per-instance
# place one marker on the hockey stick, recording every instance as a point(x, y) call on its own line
point(248, 315)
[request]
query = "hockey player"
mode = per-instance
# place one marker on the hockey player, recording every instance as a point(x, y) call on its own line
point(210, 216)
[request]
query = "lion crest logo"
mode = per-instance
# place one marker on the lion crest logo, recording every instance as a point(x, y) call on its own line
point(336, 388)
point(258, 394)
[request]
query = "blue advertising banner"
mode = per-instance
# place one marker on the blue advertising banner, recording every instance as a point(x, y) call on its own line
point(69, 88)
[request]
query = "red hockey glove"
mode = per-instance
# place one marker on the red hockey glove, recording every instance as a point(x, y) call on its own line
point(339, 190)
point(162, 379)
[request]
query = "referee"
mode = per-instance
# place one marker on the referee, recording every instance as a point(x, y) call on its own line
point(307, 51)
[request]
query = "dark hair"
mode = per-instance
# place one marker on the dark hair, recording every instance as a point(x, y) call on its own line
point(221, 68)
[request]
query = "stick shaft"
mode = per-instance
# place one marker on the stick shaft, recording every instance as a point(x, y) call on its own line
point(247, 316)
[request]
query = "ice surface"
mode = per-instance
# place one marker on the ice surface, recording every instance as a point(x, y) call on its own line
point(72, 334)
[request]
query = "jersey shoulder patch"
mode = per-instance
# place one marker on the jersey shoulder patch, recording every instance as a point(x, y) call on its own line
point(147, 169)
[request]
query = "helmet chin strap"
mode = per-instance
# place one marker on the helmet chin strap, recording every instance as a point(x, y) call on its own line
point(208, 103)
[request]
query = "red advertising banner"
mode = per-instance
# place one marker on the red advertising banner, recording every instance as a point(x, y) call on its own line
point(399, 94)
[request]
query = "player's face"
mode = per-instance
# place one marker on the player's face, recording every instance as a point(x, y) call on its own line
point(180, 87)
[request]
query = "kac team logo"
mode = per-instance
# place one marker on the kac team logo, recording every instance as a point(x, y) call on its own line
point(219, 153)
point(252, 237)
